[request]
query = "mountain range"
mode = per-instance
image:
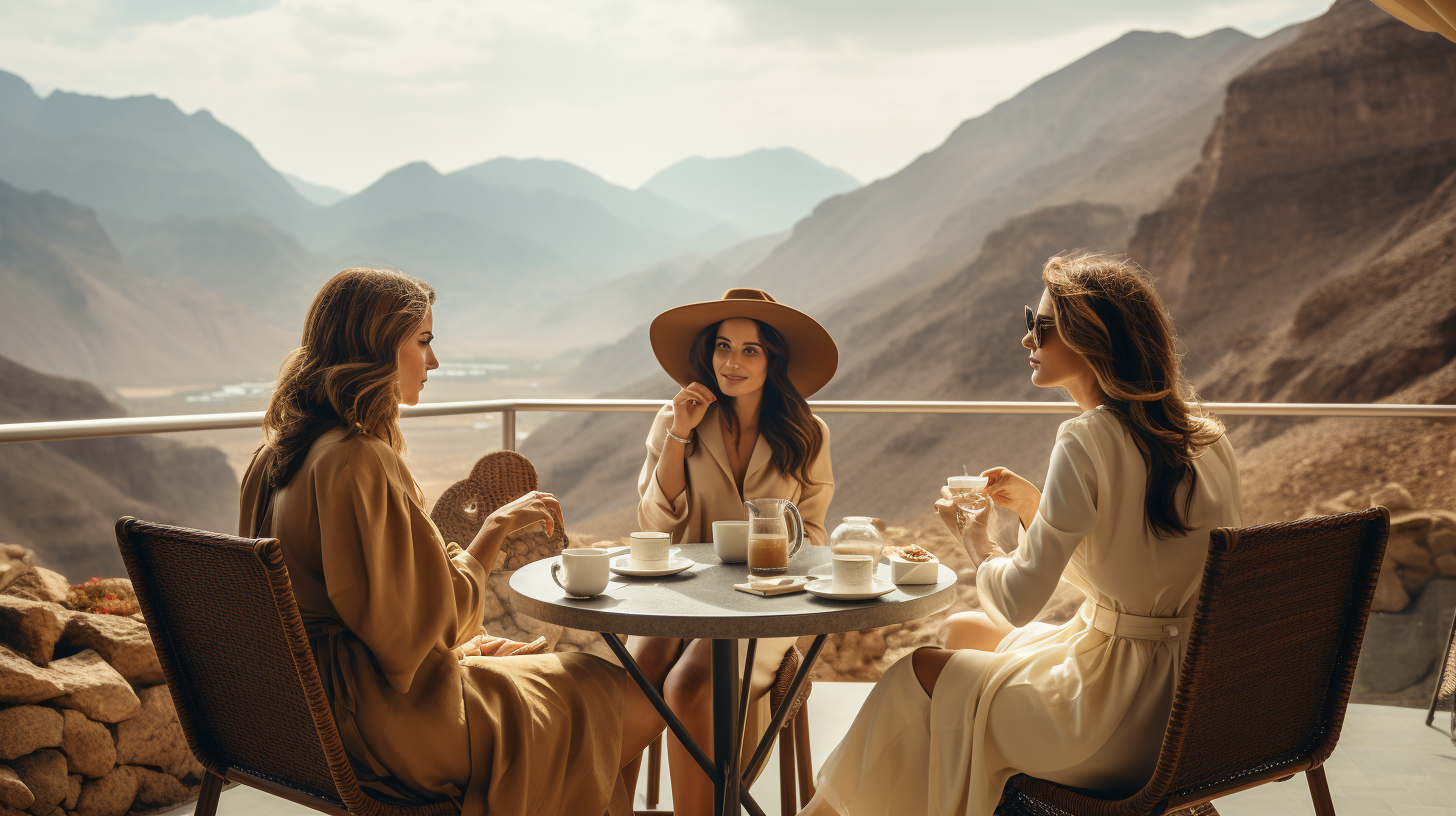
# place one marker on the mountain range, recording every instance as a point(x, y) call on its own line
point(73, 306)
point(62, 499)
point(1310, 217)
point(761, 192)
point(1293, 195)
point(184, 197)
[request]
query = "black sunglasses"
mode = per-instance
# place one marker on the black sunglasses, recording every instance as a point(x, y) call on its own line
point(1037, 325)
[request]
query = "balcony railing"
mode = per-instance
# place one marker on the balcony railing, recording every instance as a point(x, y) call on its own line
point(131, 426)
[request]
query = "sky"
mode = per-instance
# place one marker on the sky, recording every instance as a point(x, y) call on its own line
point(339, 92)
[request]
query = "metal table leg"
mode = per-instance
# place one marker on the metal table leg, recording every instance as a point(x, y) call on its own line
point(678, 729)
point(725, 722)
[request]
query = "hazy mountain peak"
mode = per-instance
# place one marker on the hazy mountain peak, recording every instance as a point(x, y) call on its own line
point(136, 158)
point(320, 194)
point(641, 208)
point(412, 170)
point(14, 87)
point(762, 191)
point(532, 174)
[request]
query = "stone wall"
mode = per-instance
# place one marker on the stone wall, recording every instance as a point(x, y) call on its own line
point(1415, 599)
point(87, 726)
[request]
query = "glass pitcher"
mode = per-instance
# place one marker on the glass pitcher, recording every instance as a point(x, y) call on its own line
point(770, 541)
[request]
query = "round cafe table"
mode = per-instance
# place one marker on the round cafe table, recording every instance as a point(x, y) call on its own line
point(702, 603)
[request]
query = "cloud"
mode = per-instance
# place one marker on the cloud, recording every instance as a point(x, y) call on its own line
point(341, 91)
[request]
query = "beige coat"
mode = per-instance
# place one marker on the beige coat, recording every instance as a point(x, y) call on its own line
point(1085, 703)
point(712, 495)
point(385, 600)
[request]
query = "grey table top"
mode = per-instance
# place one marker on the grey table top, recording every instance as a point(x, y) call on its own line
point(702, 603)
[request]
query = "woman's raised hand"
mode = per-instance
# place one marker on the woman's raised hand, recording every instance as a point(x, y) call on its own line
point(688, 408)
point(1013, 492)
point(527, 510)
point(973, 530)
point(534, 507)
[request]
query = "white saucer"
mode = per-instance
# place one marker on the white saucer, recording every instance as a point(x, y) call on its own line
point(824, 588)
point(622, 565)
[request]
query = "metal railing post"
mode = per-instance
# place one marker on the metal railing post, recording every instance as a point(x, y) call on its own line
point(508, 429)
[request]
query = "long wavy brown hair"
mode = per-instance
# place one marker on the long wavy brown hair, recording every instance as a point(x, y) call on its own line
point(1107, 311)
point(346, 373)
point(784, 419)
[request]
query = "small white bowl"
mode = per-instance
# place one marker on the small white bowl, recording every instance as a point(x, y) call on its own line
point(913, 572)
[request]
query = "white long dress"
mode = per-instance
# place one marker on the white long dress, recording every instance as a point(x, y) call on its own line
point(1085, 703)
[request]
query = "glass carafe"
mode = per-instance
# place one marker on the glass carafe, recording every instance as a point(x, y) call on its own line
point(770, 541)
point(857, 536)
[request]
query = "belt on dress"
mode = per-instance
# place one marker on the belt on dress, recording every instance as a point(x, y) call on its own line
point(1139, 627)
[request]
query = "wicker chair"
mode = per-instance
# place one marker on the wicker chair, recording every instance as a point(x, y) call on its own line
point(232, 646)
point(1267, 673)
point(496, 478)
point(1446, 682)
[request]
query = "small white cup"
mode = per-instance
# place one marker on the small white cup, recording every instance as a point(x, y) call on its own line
point(585, 571)
point(730, 541)
point(852, 573)
point(650, 550)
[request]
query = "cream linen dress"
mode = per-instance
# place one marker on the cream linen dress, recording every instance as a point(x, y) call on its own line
point(1085, 703)
point(385, 599)
point(712, 495)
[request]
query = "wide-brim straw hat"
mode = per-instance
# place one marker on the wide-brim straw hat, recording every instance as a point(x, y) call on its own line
point(813, 357)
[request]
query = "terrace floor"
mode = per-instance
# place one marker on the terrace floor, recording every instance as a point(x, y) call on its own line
point(1388, 763)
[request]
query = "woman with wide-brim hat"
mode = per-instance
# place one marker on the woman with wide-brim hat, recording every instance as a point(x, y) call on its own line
point(738, 429)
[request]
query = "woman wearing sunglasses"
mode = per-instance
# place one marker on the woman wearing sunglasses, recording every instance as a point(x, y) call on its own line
point(1135, 485)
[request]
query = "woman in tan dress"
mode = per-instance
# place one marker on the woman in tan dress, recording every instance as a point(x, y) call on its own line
point(739, 429)
point(1135, 486)
point(392, 610)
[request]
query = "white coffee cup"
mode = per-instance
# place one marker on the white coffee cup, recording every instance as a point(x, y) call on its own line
point(650, 550)
point(585, 571)
point(851, 573)
point(730, 541)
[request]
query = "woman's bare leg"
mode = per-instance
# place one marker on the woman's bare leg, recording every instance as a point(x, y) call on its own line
point(689, 693)
point(973, 630)
point(640, 721)
point(963, 630)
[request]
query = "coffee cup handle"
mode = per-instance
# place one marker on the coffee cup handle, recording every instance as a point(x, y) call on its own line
point(555, 568)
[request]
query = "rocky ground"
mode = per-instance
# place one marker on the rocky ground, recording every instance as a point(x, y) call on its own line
point(87, 726)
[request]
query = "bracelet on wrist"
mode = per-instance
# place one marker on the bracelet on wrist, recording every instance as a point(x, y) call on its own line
point(678, 439)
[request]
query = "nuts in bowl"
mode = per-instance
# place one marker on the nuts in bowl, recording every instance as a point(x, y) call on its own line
point(913, 552)
point(913, 565)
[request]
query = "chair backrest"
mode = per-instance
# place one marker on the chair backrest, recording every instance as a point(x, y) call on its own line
point(237, 660)
point(497, 478)
point(1271, 654)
